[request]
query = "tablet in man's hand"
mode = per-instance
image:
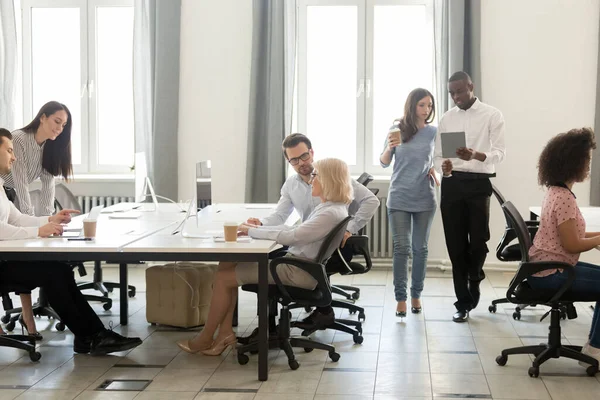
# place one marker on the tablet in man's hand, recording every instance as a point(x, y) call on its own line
point(451, 141)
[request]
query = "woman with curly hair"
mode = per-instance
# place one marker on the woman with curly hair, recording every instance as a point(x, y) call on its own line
point(561, 236)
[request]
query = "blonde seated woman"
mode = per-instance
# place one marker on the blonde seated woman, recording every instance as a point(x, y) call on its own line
point(331, 182)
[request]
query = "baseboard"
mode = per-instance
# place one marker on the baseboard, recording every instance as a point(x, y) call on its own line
point(445, 265)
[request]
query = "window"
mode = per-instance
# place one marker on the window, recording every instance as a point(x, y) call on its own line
point(80, 53)
point(354, 74)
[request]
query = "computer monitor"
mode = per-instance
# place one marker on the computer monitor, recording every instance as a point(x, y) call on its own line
point(141, 173)
point(203, 183)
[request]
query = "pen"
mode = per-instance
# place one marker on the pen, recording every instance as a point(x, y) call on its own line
point(84, 238)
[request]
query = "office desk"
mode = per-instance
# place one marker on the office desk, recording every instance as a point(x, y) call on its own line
point(150, 238)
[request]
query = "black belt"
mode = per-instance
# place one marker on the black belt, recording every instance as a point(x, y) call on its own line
point(472, 175)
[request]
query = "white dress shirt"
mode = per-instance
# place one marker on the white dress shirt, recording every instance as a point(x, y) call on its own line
point(26, 169)
point(305, 240)
point(13, 224)
point(295, 193)
point(484, 131)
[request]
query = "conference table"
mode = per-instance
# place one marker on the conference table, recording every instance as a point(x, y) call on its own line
point(160, 236)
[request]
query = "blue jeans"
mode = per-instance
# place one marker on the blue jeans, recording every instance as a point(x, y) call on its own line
point(587, 279)
point(410, 231)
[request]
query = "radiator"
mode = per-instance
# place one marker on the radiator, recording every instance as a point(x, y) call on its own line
point(379, 233)
point(87, 202)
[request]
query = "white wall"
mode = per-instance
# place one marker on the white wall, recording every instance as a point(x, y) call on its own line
point(539, 60)
point(216, 42)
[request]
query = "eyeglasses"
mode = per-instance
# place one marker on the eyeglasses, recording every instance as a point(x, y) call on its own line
point(296, 160)
point(313, 175)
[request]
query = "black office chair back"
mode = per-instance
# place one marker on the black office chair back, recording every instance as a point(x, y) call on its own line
point(501, 200)
point(64, 198)
point(332, 241)
point(512, 214)
point(365, 178)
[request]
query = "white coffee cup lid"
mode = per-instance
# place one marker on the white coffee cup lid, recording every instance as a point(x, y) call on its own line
point(90, 220)
point(230, 224)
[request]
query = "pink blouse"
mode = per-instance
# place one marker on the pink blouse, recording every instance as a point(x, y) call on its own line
point(559, 206)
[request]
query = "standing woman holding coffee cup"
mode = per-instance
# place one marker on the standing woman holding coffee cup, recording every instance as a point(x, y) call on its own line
point(42, 150)
point(411, 199)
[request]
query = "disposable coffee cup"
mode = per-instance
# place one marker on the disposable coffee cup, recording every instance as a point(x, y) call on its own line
point(89, 228)
point(230, 231)
point(395, 133)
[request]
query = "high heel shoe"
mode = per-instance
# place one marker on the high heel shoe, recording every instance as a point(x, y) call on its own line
point(416, 310)
point(185, 346)
point(36, 335)
point(219, 347)
point(401, 314)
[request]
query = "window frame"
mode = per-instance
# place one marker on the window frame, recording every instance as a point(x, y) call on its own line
point(88, 87)
point(365, 59)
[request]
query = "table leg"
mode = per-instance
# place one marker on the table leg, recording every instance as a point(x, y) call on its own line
point(234, 323)
point(123, 296)
point(263, 319)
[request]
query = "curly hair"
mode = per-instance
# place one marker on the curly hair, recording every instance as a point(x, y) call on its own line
point(566, 157)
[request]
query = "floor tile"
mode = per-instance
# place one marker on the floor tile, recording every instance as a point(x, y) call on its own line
point(517, 387)
point(444, 384)
point(352, 383)
point(179, 380)
point(404, 384)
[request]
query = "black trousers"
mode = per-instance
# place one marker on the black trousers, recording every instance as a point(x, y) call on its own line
point(59, 284)
point(465, 207)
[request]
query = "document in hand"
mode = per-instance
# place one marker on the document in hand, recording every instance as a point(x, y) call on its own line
point(452, 141)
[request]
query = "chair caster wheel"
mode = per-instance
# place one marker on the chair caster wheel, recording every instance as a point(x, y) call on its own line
point(5, 319)
point(294, 365)
point(131, 293)
point(352, 312)
point(356, 295)
point(308, 309)
point(492, 309)
point(110, 289)
point(534, 372)
point(358, 339)
point(60, 326)
point(306, 333)
point(10, 326)
point(591, 370)
point(107, 306)
point(501, 360)
point(253, 352)
point(517, 316)
point(361, 316)
point(242, 359)
point(308, 349)
point(335, 357)
point(563, 315)
point(35, 356)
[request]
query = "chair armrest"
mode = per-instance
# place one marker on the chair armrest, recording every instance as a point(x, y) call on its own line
point(532, 223)
point(316, 270)
point(528, 269)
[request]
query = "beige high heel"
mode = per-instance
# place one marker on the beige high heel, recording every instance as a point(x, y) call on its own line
point(185, 346)
point(219, 347)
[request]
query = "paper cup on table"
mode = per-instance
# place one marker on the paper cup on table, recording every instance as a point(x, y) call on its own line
point(89, 228)
point(230, 231)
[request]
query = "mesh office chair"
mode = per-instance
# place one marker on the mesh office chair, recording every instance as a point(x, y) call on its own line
point(23, 342)
point(520, 292)
point(508, 251)
point(41, 308)
point(289, 296)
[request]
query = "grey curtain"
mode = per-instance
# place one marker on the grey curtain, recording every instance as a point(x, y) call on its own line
point(271, 94)
point(8, 64)
point(457, 32)
point(156, 89)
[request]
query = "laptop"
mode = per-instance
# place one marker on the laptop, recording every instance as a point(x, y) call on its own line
point(76, 229)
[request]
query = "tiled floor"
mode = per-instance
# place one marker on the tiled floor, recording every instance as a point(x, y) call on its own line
point(425, 356)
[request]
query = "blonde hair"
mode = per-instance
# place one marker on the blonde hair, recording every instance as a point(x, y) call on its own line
point(334, 178)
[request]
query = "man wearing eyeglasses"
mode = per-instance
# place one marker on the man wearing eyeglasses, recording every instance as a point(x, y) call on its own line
point(296, 193)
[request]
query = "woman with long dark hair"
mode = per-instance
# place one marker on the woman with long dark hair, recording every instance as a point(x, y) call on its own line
point(42, 150)
point(411, 199)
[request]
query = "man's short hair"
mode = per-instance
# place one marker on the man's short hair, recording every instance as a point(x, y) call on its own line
point(460, 76)
point(294, 140)
point(4, 133)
